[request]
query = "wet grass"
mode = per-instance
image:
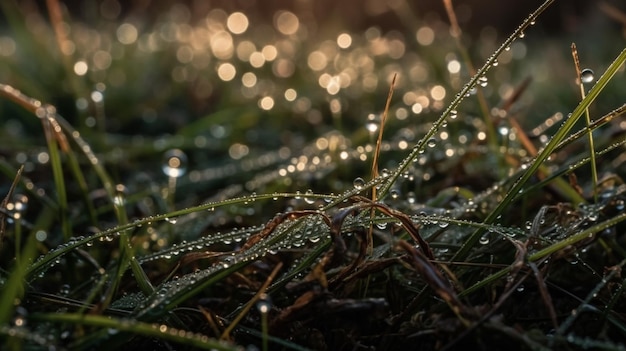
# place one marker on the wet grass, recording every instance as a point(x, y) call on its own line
point(198, 184)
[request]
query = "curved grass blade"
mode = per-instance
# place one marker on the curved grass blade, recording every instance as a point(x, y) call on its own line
point(48, 260)
point(117, 325)
point(171, 293)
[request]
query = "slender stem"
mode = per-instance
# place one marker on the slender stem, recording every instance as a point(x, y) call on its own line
point(579, 79)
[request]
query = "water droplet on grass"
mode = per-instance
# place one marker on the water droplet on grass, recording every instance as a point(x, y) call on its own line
point(586, 75)
point(358, 183)
point(483, 81)
point(174, 163)
point(308, 199)
point(484, 240)
point(372, 123)
point(264, 304)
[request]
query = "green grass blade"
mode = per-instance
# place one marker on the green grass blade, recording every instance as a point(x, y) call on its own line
point(543, 155)
point(57, 172)
point(133, 327)
point(13, 289)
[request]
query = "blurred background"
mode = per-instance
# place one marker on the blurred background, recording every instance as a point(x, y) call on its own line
point(269, 85)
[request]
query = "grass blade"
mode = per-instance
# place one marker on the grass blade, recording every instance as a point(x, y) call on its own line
point(116, 325)
point(560, 135)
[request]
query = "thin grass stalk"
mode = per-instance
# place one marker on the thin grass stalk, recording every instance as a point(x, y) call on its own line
point(379, 141)
point(82, 184)
point(253, 300)
point(421, 144)
point(590, 296)
point(471, 241)
point(457, 34)
point(572, 167)
point(592, 154)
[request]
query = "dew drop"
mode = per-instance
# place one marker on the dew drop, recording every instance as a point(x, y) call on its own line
point(64, 290)
point(358, 183)
point(411, 197)
point(21, 203)
point(586, 75)
point(483, 81)
point(174, 163)
point(308, 198)
point(314, 239)
point(264, 304)
point(394, 193)
point(432, 142)
point(484, 240)
point(528, 225)
point(454, 114)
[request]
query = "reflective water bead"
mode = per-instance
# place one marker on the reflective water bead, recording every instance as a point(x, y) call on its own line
point(358, 183)
point(454, 114)
point(174, 163)
point(264, 304)
point(372, 123)
point(308, 197)
point(394, 193)
point(586, 75)
point(483, 81)
point(484, 240)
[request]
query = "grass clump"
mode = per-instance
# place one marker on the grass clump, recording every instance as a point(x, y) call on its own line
point(173, 199)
